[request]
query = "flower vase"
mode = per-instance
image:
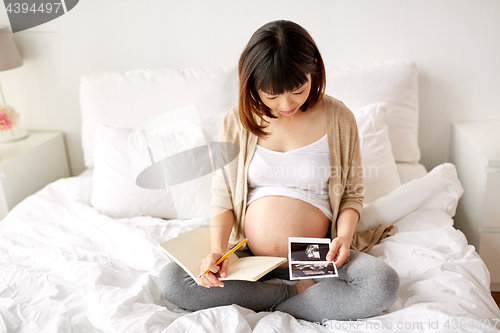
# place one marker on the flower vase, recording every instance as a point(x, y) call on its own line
point(12, 134)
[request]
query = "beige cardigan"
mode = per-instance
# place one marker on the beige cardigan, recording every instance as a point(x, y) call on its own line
point(345, 184)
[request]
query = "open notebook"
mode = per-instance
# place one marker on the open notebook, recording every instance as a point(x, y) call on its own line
point(189, 249)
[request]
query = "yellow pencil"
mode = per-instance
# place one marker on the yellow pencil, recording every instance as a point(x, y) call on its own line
point(226, 255)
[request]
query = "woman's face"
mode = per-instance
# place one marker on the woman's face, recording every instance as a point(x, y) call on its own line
point(288, 103)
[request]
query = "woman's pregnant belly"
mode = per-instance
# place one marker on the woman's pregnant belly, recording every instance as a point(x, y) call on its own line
point(269, 221)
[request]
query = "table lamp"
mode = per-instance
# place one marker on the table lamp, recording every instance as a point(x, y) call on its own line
point(9, 58)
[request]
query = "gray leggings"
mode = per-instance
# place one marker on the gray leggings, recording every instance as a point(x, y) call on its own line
point(365, 287)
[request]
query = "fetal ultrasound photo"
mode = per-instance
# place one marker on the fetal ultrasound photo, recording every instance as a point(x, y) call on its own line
point(309, 251)
point(308, 258)
point(312, 270)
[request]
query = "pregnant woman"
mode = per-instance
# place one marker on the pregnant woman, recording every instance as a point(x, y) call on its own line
point(298, 174)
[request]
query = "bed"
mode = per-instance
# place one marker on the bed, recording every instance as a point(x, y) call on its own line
point(81, 254)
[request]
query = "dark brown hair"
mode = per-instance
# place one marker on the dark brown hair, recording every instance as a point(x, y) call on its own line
point(277, 59)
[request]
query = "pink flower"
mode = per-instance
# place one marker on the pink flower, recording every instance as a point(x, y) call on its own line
point(5, 122)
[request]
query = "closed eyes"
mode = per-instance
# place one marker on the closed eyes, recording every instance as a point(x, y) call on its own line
point(274, 97)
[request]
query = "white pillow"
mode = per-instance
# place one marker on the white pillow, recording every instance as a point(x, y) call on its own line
point(380, 174)
point(114, 192)
point(439, 189)
point(211, 126)
point(121, 154)
point(393, 81)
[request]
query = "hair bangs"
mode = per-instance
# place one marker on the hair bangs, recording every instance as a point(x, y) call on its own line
point(277, 77)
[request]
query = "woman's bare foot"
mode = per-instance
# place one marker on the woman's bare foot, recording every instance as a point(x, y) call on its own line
point(304, 284)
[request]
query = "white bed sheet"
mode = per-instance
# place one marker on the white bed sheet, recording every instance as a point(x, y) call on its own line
point(66, 268)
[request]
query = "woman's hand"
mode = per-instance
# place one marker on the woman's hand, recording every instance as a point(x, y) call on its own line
point(339, 251)
point(210, 279)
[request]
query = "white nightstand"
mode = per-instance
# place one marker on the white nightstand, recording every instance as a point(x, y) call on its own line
point(475, 151)
point(27, 165)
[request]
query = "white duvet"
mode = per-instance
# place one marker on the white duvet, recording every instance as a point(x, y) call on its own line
point(66, 268)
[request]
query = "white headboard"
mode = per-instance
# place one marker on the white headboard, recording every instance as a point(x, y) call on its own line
point(126, 99)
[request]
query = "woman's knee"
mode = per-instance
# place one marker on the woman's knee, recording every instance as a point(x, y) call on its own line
point(377, 278)
point(385, 285)
point(390, 279)
point(173, 279)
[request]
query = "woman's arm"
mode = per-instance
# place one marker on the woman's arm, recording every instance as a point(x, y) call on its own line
point(222, 217)
point(346, 225)
point(221, 224)
point(351, 204)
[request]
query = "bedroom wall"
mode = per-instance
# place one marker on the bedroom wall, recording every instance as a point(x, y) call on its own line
point(455, 44)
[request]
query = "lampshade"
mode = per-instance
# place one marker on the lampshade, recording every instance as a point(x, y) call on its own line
point(9, 54)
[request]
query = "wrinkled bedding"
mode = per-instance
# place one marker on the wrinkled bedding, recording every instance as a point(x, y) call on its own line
point(66, 268)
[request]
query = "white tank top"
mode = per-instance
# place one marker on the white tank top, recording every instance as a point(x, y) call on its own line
point(302, 173)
